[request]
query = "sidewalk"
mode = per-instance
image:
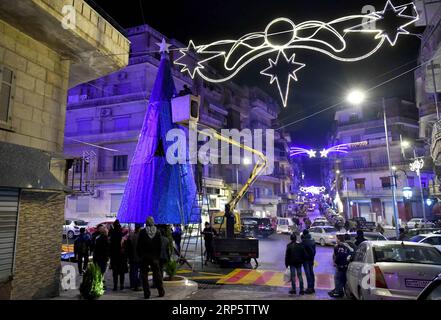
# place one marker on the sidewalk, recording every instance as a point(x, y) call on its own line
point(171, 292)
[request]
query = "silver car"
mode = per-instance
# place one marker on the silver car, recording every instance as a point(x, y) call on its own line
point(391, 270)
point(325, 235)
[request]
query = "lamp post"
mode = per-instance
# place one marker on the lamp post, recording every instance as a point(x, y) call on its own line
point(416, 166)
point(356, 97)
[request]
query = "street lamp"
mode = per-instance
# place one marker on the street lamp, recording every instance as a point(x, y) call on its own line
point(416, 165)
point(356, 97)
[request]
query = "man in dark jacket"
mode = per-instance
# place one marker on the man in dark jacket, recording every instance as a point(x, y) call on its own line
point(295, 256)
point(359, 239)
point(149, 251)
point(308, 265)
point(101, 249)
point(342, 252)
point(82, 247)
point(134, 260)
point(209, 233)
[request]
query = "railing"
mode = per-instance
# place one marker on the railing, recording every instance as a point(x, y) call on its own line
point(435, 148)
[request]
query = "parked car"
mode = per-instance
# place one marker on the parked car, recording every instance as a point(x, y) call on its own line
point(391, 270)
point(419, 223)
point(325, 235)
point(414, 232)
point(362, 224)
point(432, 239)
point(320, 219)
point(369, 236)
point(257, 227)
point(320, 224)
point(109, 226)
point(284, 225)
point(71, 228)
point(432, 291)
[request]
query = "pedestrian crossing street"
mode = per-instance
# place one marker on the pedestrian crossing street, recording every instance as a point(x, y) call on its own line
point(257, 277)
point(270, 278)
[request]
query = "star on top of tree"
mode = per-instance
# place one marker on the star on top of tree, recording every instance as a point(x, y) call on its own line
point(164, 47)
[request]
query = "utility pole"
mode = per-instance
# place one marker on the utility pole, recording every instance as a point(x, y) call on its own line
point(392, 174)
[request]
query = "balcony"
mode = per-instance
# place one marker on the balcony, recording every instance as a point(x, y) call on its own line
point(435, 147)
point(94, 45)
point(260, 108)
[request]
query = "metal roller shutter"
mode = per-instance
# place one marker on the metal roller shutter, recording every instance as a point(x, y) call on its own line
point(8, 228)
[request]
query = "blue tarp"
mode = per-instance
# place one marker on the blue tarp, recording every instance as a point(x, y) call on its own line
point(154, 187)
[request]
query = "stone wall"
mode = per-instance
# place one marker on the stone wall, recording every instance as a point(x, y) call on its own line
point(37, 257)
point(39, 103)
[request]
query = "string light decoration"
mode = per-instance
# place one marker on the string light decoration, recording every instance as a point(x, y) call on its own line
point(416, 166)
point(313, 190)
point(235, 55)
point(341, 148)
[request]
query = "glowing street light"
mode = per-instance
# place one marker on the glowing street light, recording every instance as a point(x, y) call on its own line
point(356, 97)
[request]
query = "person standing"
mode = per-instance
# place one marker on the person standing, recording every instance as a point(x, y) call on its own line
point(308, 265)
point(402, 235)
point(177, 237)
point(295, 256)
point(134, 260)
point(101, 248)
point(165, 256)
point(118, 258)
point(82, 246)
point(342, 252)
point(359, 239)
point(149, 251)
point(209, 234)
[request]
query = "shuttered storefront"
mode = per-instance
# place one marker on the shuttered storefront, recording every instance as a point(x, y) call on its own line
point(8, 228)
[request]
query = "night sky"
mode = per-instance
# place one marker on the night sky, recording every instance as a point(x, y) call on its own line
point(321, 84)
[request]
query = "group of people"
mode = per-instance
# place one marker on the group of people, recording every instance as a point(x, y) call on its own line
point(300, 255)
point(137, 253)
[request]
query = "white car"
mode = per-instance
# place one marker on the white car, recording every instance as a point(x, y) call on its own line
point(320, 219)
point(325, 235)
point(419, 223)
point(432, 239)
point(391, 270)
point(71, 228)
point(284, 225)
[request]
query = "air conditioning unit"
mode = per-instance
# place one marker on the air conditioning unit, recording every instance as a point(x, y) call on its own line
point(105, 112)
point(186, 109)
point(96, 193)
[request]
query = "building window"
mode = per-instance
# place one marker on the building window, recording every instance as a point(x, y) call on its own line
point(358, 163)
point(82, 205)
point(353, 117)
point(356, 138)
point(213, 203)
point(385, 182)
point(115, 202)
point(120, 163)
point(6, 88)
point(8, 230)
point(360, 184)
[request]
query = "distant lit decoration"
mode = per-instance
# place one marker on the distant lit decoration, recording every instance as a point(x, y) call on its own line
point(296, 151)
point(329, 38)
point(341, 148)
point(407, 192)
point(313, 190)
point(416, 166)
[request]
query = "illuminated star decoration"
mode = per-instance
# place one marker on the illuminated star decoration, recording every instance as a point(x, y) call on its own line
point(277, 72)
point(192, 52)
point(295, 151)
point(328, 38)
point(385, 18)
point(416, 166)
point(312, 153)
point(163, 46)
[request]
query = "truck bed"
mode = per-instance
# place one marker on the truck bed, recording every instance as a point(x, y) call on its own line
point(244, 248)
